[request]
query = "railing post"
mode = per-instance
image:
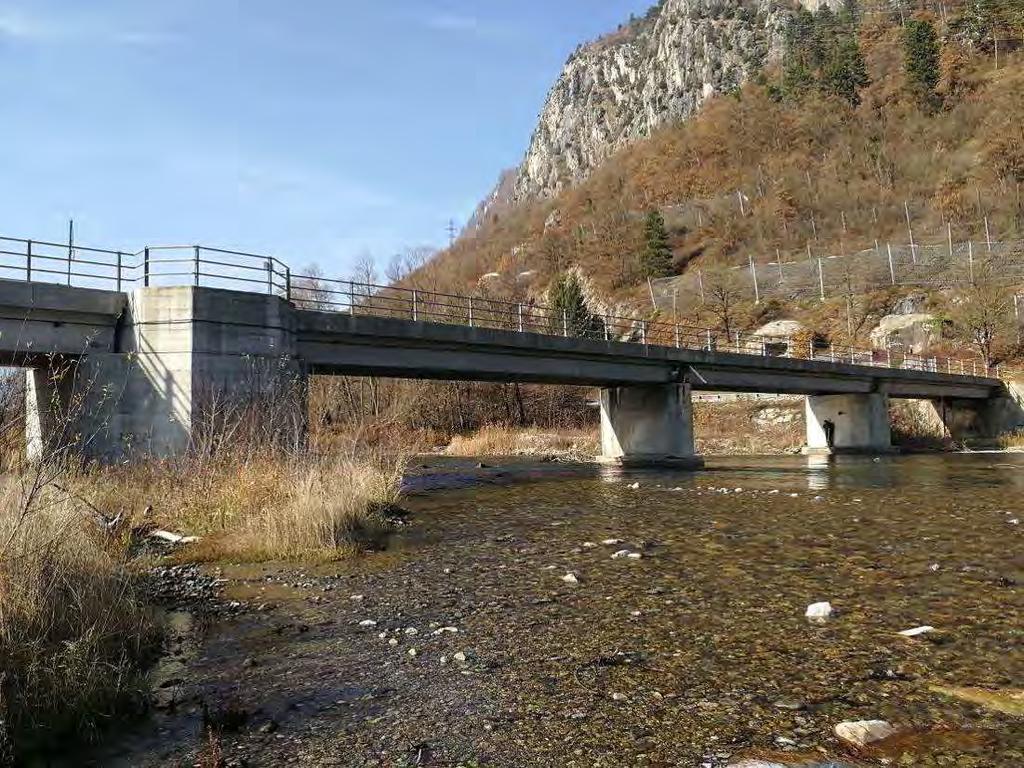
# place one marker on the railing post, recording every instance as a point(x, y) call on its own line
point(145, 268)
point(677, 335)
point(974, 368)
point(643, 332)
point(351, 297)
point(270, 277)
point(119, 259)
point(288, 284)
point(565, 323)
point(28, 262)
point(737, 342)
point(607, 322)
point(832, 353)
point(709, 339)
point(888, 357)
point(519, 308)
point(196, 265)
point(470, 311)
point(415, 307)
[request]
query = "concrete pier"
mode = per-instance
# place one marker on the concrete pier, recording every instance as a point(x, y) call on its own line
point(861, 423)
point(648, 426)
point(184, 362)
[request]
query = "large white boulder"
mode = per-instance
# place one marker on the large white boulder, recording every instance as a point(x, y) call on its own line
point(916, 333)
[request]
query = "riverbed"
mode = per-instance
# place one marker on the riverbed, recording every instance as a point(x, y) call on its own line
point(535, 614)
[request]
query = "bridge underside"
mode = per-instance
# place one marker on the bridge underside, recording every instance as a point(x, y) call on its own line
point(160, 364)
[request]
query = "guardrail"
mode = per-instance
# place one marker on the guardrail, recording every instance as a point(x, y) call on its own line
point(73, 265)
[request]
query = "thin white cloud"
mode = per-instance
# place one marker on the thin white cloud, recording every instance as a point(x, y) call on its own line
point(452, 22)
point(17, 24)
point(448, 23)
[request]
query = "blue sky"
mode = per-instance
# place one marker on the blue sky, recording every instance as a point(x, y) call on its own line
point(314, 130)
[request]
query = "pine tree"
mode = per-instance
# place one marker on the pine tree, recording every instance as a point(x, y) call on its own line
point(656, 259)
point(845, 73)
point(921, 59)
point(569, 312)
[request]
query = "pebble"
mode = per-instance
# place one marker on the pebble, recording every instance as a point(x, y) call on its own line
point(620, 554)
point(570, 578)
point(460, 657)
point(634, 555)
point(393, 642)
point(860, 733)
point(367, 623)
point(413, 652)
point(819, 613)
point(634, 486)
point(917, 631)
point(611, 542)
point(443, 630)
point(618, 697)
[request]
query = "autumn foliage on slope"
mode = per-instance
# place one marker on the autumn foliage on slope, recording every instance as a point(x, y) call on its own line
point(763, 170)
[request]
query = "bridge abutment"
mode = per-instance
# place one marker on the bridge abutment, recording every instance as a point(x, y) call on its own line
point(190, 366)
point(648, 425)
point(860, 423)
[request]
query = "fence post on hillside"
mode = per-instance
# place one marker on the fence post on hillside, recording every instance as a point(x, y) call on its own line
point(700, 284)
point(988, 236)
point(949, 239)
point(753, 275)
point(821, 279)
point(778, 258)
point(970, 260)
point(892, 269)
point(910, 232)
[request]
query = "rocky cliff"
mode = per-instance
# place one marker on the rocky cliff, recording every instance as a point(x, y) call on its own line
point(655, 70)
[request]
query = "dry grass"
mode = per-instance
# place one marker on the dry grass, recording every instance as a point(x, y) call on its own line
point(74, 632)
point(258, 507)
point(500, 440)
point(749, 428)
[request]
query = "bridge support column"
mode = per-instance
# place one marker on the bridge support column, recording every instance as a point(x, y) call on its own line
point(649, 425)
point(860, 423)
point(983, 420)
point(192, 366)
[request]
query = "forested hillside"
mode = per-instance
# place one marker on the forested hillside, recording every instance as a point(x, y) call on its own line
point(874, 127)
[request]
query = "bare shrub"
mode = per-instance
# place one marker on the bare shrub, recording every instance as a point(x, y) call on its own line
point(74, 632)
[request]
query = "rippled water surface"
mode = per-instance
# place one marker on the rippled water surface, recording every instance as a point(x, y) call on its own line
point(695, 653)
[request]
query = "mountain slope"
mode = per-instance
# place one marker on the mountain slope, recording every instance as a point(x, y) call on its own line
point(657, 70)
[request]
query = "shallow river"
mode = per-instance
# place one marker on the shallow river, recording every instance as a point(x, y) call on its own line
point(695, 653)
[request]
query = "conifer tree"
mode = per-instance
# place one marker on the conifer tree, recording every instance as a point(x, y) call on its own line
point(921, 59)
point(845, 72)
point(569, 312)
point(656, 259)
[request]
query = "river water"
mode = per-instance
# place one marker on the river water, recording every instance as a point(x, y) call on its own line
point(695, 653)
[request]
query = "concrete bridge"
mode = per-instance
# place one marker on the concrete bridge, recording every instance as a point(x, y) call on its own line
point(142, 368)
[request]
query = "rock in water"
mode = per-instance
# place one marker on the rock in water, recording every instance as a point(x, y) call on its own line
point(819, 613)
point(916, 631)
point(860, 733)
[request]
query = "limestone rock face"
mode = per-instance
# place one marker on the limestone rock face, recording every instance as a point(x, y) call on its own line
point(657, 70)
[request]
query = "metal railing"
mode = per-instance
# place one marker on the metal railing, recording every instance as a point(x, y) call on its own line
point(176, 265)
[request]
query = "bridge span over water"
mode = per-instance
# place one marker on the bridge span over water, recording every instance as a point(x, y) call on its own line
point(143, 349)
